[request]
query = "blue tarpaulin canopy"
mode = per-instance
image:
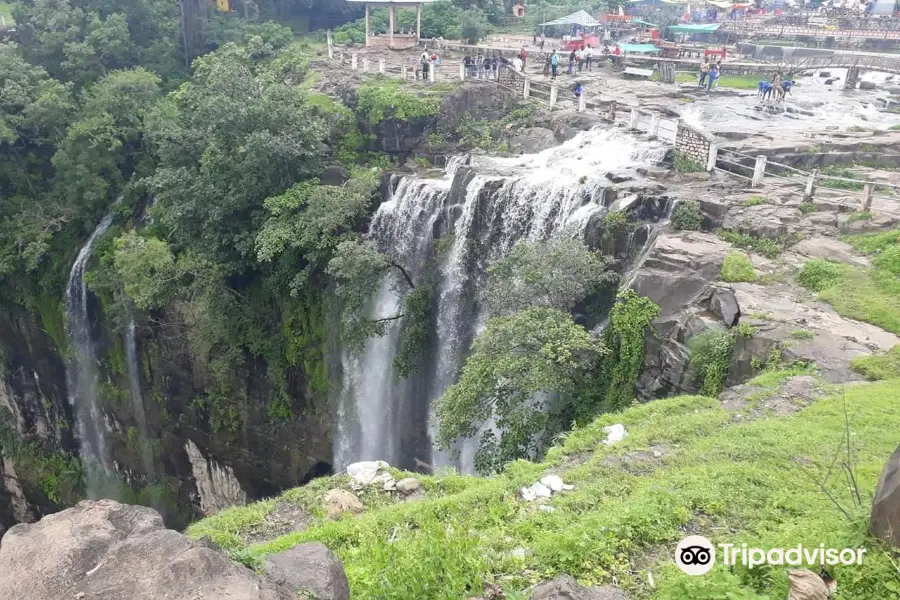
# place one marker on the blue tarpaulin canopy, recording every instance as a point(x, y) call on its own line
point(639, 48)
point(698, 28)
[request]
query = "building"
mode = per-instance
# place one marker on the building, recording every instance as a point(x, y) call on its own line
point(394, 39)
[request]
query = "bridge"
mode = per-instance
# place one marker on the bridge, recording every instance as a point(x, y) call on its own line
point(886, 63)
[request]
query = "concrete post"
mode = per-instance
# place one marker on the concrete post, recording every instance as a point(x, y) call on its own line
point(365, 65)
point(330, 44)
point(852, 78)
point(582, 102)
point(611, 115)
point(810, 190)
point(632, 124)
point(381, 66)
point(526, 89)
point(393, 19)
point(353, 61)
point(711, 159)
point(866, 204)
point(431, 69)
point(418, 22)
point(367, 24)
point(554, 90)
point(759, 170)
point(403, 72)
point(654, 125)
point(462, 71)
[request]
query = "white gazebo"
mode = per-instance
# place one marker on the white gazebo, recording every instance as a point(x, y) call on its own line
point(394, 40)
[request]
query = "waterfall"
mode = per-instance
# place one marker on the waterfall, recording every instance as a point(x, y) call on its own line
point(498, 202)
point(81, 372)
point(137, 400)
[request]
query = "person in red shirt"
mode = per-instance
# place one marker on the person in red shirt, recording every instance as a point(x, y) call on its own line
point(523, 55)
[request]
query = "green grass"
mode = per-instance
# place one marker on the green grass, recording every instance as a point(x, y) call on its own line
point(839, 184)
point(878, 366)
point(6, 12)
point(803, 334)
point(739, 82)
point(768, 247)
point(731, 481)
point(755, 201)
point(869, 295)
point(737, 267)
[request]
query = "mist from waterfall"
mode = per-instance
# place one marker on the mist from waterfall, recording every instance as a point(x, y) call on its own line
point(496, 203)
point(137, 400)
point(81, 372)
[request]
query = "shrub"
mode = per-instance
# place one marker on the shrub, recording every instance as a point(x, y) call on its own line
point(755, 201)
point(686, 164)
point(818, 275)
point(864, 215)
point(687, 216)
point(878, 366)
point(737, 268)
point(710, 359)
point(807, 207)
point(768, 247)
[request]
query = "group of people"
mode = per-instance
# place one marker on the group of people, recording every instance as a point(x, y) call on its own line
point(485, 67)
point(580, 59)
point(709, 74)
point(426, 59)
point(777, 88)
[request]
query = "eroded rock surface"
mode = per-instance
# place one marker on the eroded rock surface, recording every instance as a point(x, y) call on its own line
point(885, 521)
point(565, 587)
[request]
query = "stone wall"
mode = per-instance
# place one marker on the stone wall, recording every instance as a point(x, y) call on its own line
point(693, 143)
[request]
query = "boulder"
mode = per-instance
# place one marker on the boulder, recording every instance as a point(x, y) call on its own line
point(565, 587)
point(885, 521)
point(725, 305)
point(824, 74)
point(867, 85)
point(334, 175)
point(105, 550)
point(408, 485)
point(311, 570)
point(338, 501)
point(533, 140)
point(806, 585)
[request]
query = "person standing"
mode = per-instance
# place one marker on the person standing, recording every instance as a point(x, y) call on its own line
point(704, 71)
point(554, 63)
point(524, 56)
point(571, 61)
point(588, 57)
point(713, 76)
point(547, 67)
point(542, 41)
point(424, 59)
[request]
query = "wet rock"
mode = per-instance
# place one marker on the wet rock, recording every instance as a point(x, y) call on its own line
point(824, 74)
point(619, 177)
point(763, 220)
point(832, 80)
point(408, 485)
point(725, 305)
point(109, 551)
point(533, 140)
point(311, 570)
point(338, 501)
point(885, 520)
point(334, 175)
point(867, 85)
point(565, 587)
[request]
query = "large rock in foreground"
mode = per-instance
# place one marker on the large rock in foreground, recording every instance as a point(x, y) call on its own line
point(885, 522)
point(565, 587)
point(109, 551)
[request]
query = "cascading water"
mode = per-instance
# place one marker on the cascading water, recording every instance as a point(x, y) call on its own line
point(137, 400)
point(533, 197)
point(81, 372)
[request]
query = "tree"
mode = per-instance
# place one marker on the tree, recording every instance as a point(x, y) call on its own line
point(555, 274)
point(146, 267)
point(518, 365)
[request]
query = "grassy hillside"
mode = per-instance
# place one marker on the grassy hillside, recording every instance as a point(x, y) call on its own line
point(688, 466)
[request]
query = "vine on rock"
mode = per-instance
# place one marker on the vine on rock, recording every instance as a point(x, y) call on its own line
point(628, 322)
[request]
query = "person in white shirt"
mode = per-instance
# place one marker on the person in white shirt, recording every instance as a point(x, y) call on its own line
point(517, 64)
point(424, 60)
point(588, 57)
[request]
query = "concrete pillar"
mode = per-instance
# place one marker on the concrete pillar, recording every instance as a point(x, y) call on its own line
point(462, 71)
point(330, 44)
point(759, 171)
point(367, 24)
point(654, 125)
point(611, 115)
point(810, 191)
point(381, 66)
point(554, 91)
point(431, 69)
point(632, 124)
point(526, 89)
point(418, 22)
point(354, 60)
point(365, 65)
point(393, 20)
point(582, 101)
point(711, 159)
point(852, 78)
point(403, 72)
point(868, 191)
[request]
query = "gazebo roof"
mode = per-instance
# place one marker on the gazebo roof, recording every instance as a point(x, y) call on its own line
point(576, 18)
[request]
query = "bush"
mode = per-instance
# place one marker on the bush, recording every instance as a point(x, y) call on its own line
point(770, 248)
point(737, 268)
point(685, 164)
point(687, 216)
point(818, 275)
point(382, 99)
point(755, 201)
point(710, 359)
point(878, 366)
point(889, 260)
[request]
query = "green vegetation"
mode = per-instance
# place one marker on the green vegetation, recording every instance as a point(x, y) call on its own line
point(878, 366)
point(687, 216)
point(870, 295)
point(731, 481)
point(737, 267)
point(768, 247)
point(442, 19)
point(686, 164)
point(807, 207)
point(803, 334)
point(711, 358)
point(860, 216)
point(837, 183)
point(739, 82)
point(384, 98)
point(756, 201)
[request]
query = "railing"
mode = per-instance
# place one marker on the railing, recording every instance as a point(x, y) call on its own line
point(759, 169)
